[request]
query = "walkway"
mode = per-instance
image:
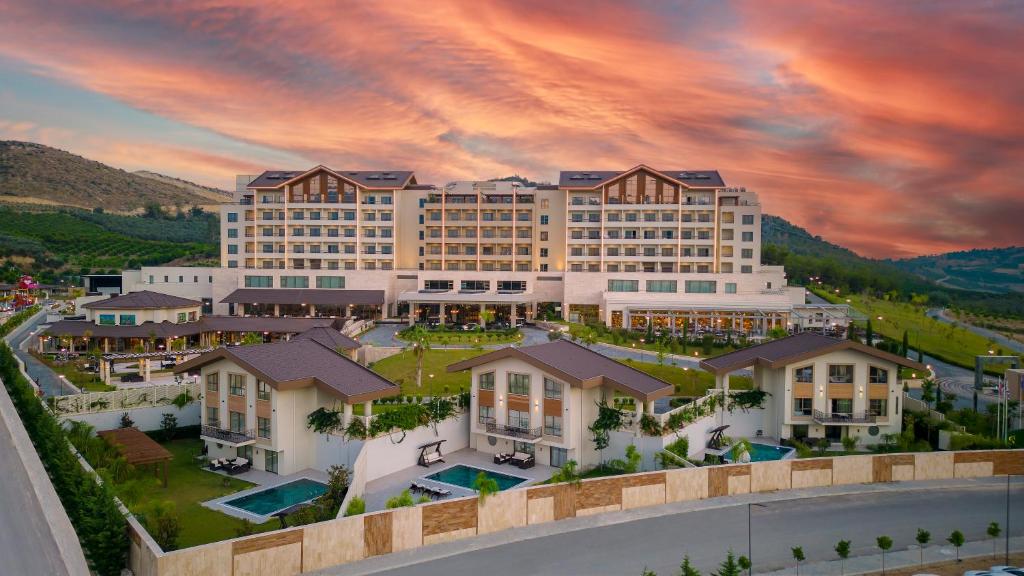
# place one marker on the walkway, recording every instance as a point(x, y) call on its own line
point(658, 537)
point(46, 379)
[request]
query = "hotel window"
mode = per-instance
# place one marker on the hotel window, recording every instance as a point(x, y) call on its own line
point(748, 219)
point(544, 203)
point(802, 406)
point(878, 407)
point(543, 252)
point(728, 217)
point(212, 416)
point(486, 381)
point(294, 281)
point(232, 216)
point(748, 236)
point(559, 456)
point(803, 374)
point(544, 236)
point(552, 389)
point(126, 320)
point(878, 375)
point(107, 319)
point(236, 384)
point(730, 287)
point(232, 263)
point(182, 317)
point(213, 382)
point(263, 427)
point(519, 419)
point(237, 421)
point(330, 281)
point(553, 426)
point(259, 281)
point(262, 390)
point(842, 405)
point(746, 269)
point(840, 374)
point(519, 384)
point(623, 285)
point(661, 285)
point(701, 286)
point(270, 461)
point(747, 253)
point(232, 232)
point(544, 219)
point(486, 415)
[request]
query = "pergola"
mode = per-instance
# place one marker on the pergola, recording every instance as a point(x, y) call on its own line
point(138, 449)
point(144, 358)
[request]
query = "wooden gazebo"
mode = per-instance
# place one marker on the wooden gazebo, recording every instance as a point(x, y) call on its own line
point(138, 449)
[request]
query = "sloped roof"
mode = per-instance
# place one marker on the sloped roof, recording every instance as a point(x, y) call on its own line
point(796, 348)
point(77, 328)
point(142, 300)
point(578, 366)
point(329, 337)
point(594, 178)
point(364, 178)
point(313, 296)
point(299, 364)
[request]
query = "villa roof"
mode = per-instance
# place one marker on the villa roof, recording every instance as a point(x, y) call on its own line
point(329, 337)
point(588, 179)
point(142, 300)
point(275, 325)
point(313, 296)
point(300, 364)
point(377, 179)
point(578, 366)
point(796, 348)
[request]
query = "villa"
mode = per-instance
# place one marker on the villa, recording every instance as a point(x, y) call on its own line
point(540, 400)
point(257, 399)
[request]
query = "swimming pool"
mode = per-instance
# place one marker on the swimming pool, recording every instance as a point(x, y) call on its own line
point(763, 452)
point(464, 476)
point(277, 498)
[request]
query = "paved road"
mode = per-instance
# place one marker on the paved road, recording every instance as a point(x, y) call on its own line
point(19, 340)
point(705, 535)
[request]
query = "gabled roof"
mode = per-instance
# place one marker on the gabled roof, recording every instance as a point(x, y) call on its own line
point(270, 324)
point(142, 300)
point(375, 179)
point(300, 364)
point(587, 180)
point(313, 296)
point(578, 366)
point(329, 337)
point(797, 348)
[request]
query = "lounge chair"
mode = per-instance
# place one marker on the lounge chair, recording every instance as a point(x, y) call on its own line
point(523, 460)
point(502, 458)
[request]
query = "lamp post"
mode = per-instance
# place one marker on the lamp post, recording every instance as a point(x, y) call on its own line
point(433, 397)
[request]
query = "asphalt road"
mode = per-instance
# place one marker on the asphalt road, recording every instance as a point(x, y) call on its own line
point(816, 524)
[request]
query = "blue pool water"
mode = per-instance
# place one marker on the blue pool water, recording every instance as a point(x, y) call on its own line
point(266, 502)
point(462, 475)
point(764, 452)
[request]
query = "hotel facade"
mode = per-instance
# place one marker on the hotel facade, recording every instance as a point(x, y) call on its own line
point(626, 248)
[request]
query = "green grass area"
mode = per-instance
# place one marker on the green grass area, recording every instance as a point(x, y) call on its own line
point(690, 382)
point(188, 485)
point(639, 341)
point(86, 381)
point(953, 344)
point(401, 369)
point(468, 338)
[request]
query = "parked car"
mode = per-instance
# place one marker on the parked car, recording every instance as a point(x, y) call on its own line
point(470, 327)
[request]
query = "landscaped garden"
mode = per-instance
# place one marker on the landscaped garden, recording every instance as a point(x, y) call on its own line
point(401, 369)
point(685, 342)
point(445, 336)
point(86, 381)
point(688, 382)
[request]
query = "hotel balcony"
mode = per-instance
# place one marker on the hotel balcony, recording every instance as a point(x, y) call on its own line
point(843, 418)
point(215, 433)
point(513, 432)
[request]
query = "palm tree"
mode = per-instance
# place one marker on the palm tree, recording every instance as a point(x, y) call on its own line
point(420, 339)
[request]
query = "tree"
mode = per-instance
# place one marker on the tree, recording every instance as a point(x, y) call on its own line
point(869, 334)
point(420, 339)
point(647, 572)
point(745, 564)
point(905, 348)
point(554, 335)
point(163, 524)
point(251, 338)
point(729, 567)
point(851, 332)
point(588, 337)
point(956, 538)
point(485, 486)
point(686, 569)
point(928, 391)
point(993, 532)
point(923, 538)
point(884, 544)
point(798, 555)
point(843, 551)
point(168, 424)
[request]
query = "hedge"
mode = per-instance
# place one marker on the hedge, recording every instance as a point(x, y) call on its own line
point(101, 528)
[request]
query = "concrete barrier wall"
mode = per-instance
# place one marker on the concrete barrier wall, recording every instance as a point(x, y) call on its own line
point(317, 546)
point(368, 354)
point(145, 419)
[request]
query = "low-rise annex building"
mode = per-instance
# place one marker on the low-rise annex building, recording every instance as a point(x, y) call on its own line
point(542, 399)
point(821, 387)
point(256, 399)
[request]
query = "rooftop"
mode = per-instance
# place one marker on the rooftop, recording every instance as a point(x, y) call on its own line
point(365, 178)
point(796, 348)
point(329, 337)
point(142, 300)
point(78, 328)
point(595, 178)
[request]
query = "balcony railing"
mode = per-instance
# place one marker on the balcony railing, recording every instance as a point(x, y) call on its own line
point(215, 432)
point(844, 418)
point(493, 427)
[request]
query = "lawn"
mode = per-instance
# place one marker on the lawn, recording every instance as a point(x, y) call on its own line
point(469, 338)
point(87, 381)
point(953, 344)
point(401, 369)
point(637, 341)
point(188, 485)
point(690, 382)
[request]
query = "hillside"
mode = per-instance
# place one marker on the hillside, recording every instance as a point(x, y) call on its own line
point(35, 174)
point(992, 270)
point(208, 192)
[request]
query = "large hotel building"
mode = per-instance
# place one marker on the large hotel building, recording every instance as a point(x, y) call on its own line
point(626, 248)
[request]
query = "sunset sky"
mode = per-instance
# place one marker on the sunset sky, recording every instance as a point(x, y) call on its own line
point(893, 128)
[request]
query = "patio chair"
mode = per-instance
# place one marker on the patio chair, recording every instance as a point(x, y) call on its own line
point(238, 466)
point(216, 464)
point(523, 460)
point(502, 458)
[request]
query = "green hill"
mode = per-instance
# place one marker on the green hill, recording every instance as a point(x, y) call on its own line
point(992, 270)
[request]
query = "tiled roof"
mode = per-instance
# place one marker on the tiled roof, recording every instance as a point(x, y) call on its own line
point(366, 178)
point(593, 178)
point(329, 337)
point(142, 300)
point(273, 325)
point(796, 348)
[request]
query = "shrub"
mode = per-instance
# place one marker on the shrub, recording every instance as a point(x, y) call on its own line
point(402, 500)
point(356, 506)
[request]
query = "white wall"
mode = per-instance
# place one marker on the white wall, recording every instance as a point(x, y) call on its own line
point(385, 457)
point(146, 419)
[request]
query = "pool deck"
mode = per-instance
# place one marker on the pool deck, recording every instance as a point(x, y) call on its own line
point(378, 491)
point(263, 480)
